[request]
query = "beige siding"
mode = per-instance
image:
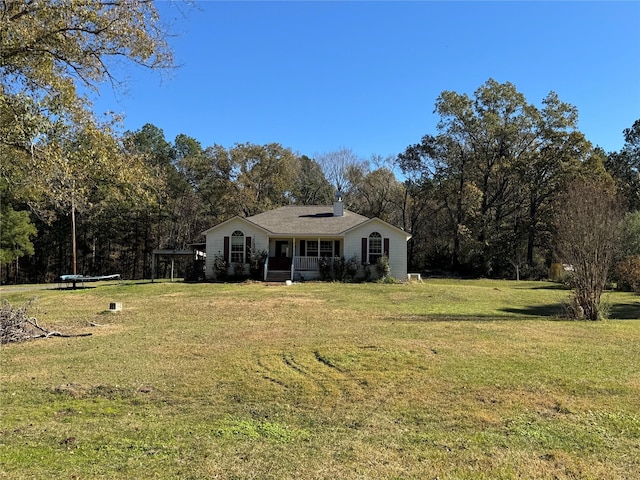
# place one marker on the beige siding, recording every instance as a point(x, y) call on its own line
point(397, 245)
point(215, 240)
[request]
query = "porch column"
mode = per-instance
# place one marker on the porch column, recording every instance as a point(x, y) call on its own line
point(293, 258)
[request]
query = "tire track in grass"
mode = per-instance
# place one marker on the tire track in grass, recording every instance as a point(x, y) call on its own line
point(312, 370)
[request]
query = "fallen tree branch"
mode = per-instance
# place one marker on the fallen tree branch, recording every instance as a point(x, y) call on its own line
point(48, 333)
point(17, 326)
point(65, 335)
point(93, 324)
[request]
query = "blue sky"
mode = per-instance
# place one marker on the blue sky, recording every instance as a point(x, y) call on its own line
point(320, 76)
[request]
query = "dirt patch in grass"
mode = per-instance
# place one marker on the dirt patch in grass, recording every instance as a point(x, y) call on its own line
point(83, 391)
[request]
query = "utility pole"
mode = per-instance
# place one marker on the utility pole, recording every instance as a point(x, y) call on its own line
point(73, 239)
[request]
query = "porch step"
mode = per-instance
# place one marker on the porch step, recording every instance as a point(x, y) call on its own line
point(278, 275)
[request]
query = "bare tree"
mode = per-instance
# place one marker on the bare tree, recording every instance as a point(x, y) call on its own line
point(339, 166)
point(588, 229)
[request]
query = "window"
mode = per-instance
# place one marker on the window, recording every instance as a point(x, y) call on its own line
point(312, 248)
point(375, 247)
point(326, 248)
point(237, 247)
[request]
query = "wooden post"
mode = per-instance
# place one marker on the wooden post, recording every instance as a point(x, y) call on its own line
point(153, 266)
point(73, 239)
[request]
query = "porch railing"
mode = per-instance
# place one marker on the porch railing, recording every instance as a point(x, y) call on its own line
point(305, 263)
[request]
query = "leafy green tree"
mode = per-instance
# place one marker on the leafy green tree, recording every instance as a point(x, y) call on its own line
point(92, 175)
point(628, 265)
point(245, 179)
point(210, 175)
point(47, 49)
point(624, 166)
point(151, 222)
point(631, 234)
point(494, 171)
point(495, 128)
point(16, 232)
point(188, 212)
point(443, 169)
point(56, 155)
point(555, 154)
point(378, 194)
point(263, 176)
point(310, 186)
point(419, 216)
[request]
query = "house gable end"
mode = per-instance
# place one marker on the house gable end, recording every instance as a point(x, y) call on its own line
point(372, 221)
point(391, 241)
point(220, 242)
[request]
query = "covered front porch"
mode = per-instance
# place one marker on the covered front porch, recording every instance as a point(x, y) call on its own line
point(299, 258)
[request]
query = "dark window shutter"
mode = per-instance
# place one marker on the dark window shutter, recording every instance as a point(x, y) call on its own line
point(364, 250)
point(386, 247)
point(226, 249)
point(336, 248)
point(303, 246)
point(247, 242)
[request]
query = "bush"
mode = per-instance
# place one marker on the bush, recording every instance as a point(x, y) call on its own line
point(389, 280)
point(628, 273)
point(367, 272)
point(351, 268)
point(256, 263)
point(339, 268)
point(238, 270)
point(383, 269)
point(220, 266)
point(195, 271)
point(325, 268)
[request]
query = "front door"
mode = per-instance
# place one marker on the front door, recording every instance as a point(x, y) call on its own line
point(282, 248)
point(282, 260)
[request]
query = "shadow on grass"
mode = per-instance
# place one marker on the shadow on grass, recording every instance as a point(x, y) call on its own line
point(624, 311)
point(74, 288)
point(439, 317)
point(554, 312)
point(555, 286)
point(619, 311)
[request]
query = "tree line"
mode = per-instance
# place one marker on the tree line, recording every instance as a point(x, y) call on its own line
point(477, 210)
point(485, 194)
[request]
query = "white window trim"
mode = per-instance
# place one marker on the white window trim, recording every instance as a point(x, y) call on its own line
point(236, 251)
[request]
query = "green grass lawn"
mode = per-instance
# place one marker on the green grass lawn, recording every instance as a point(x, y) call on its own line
point(445, 379)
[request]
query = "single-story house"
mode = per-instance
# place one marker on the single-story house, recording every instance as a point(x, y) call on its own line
point(295, 238)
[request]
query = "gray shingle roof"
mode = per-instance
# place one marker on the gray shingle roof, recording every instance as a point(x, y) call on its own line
point(306, 220)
